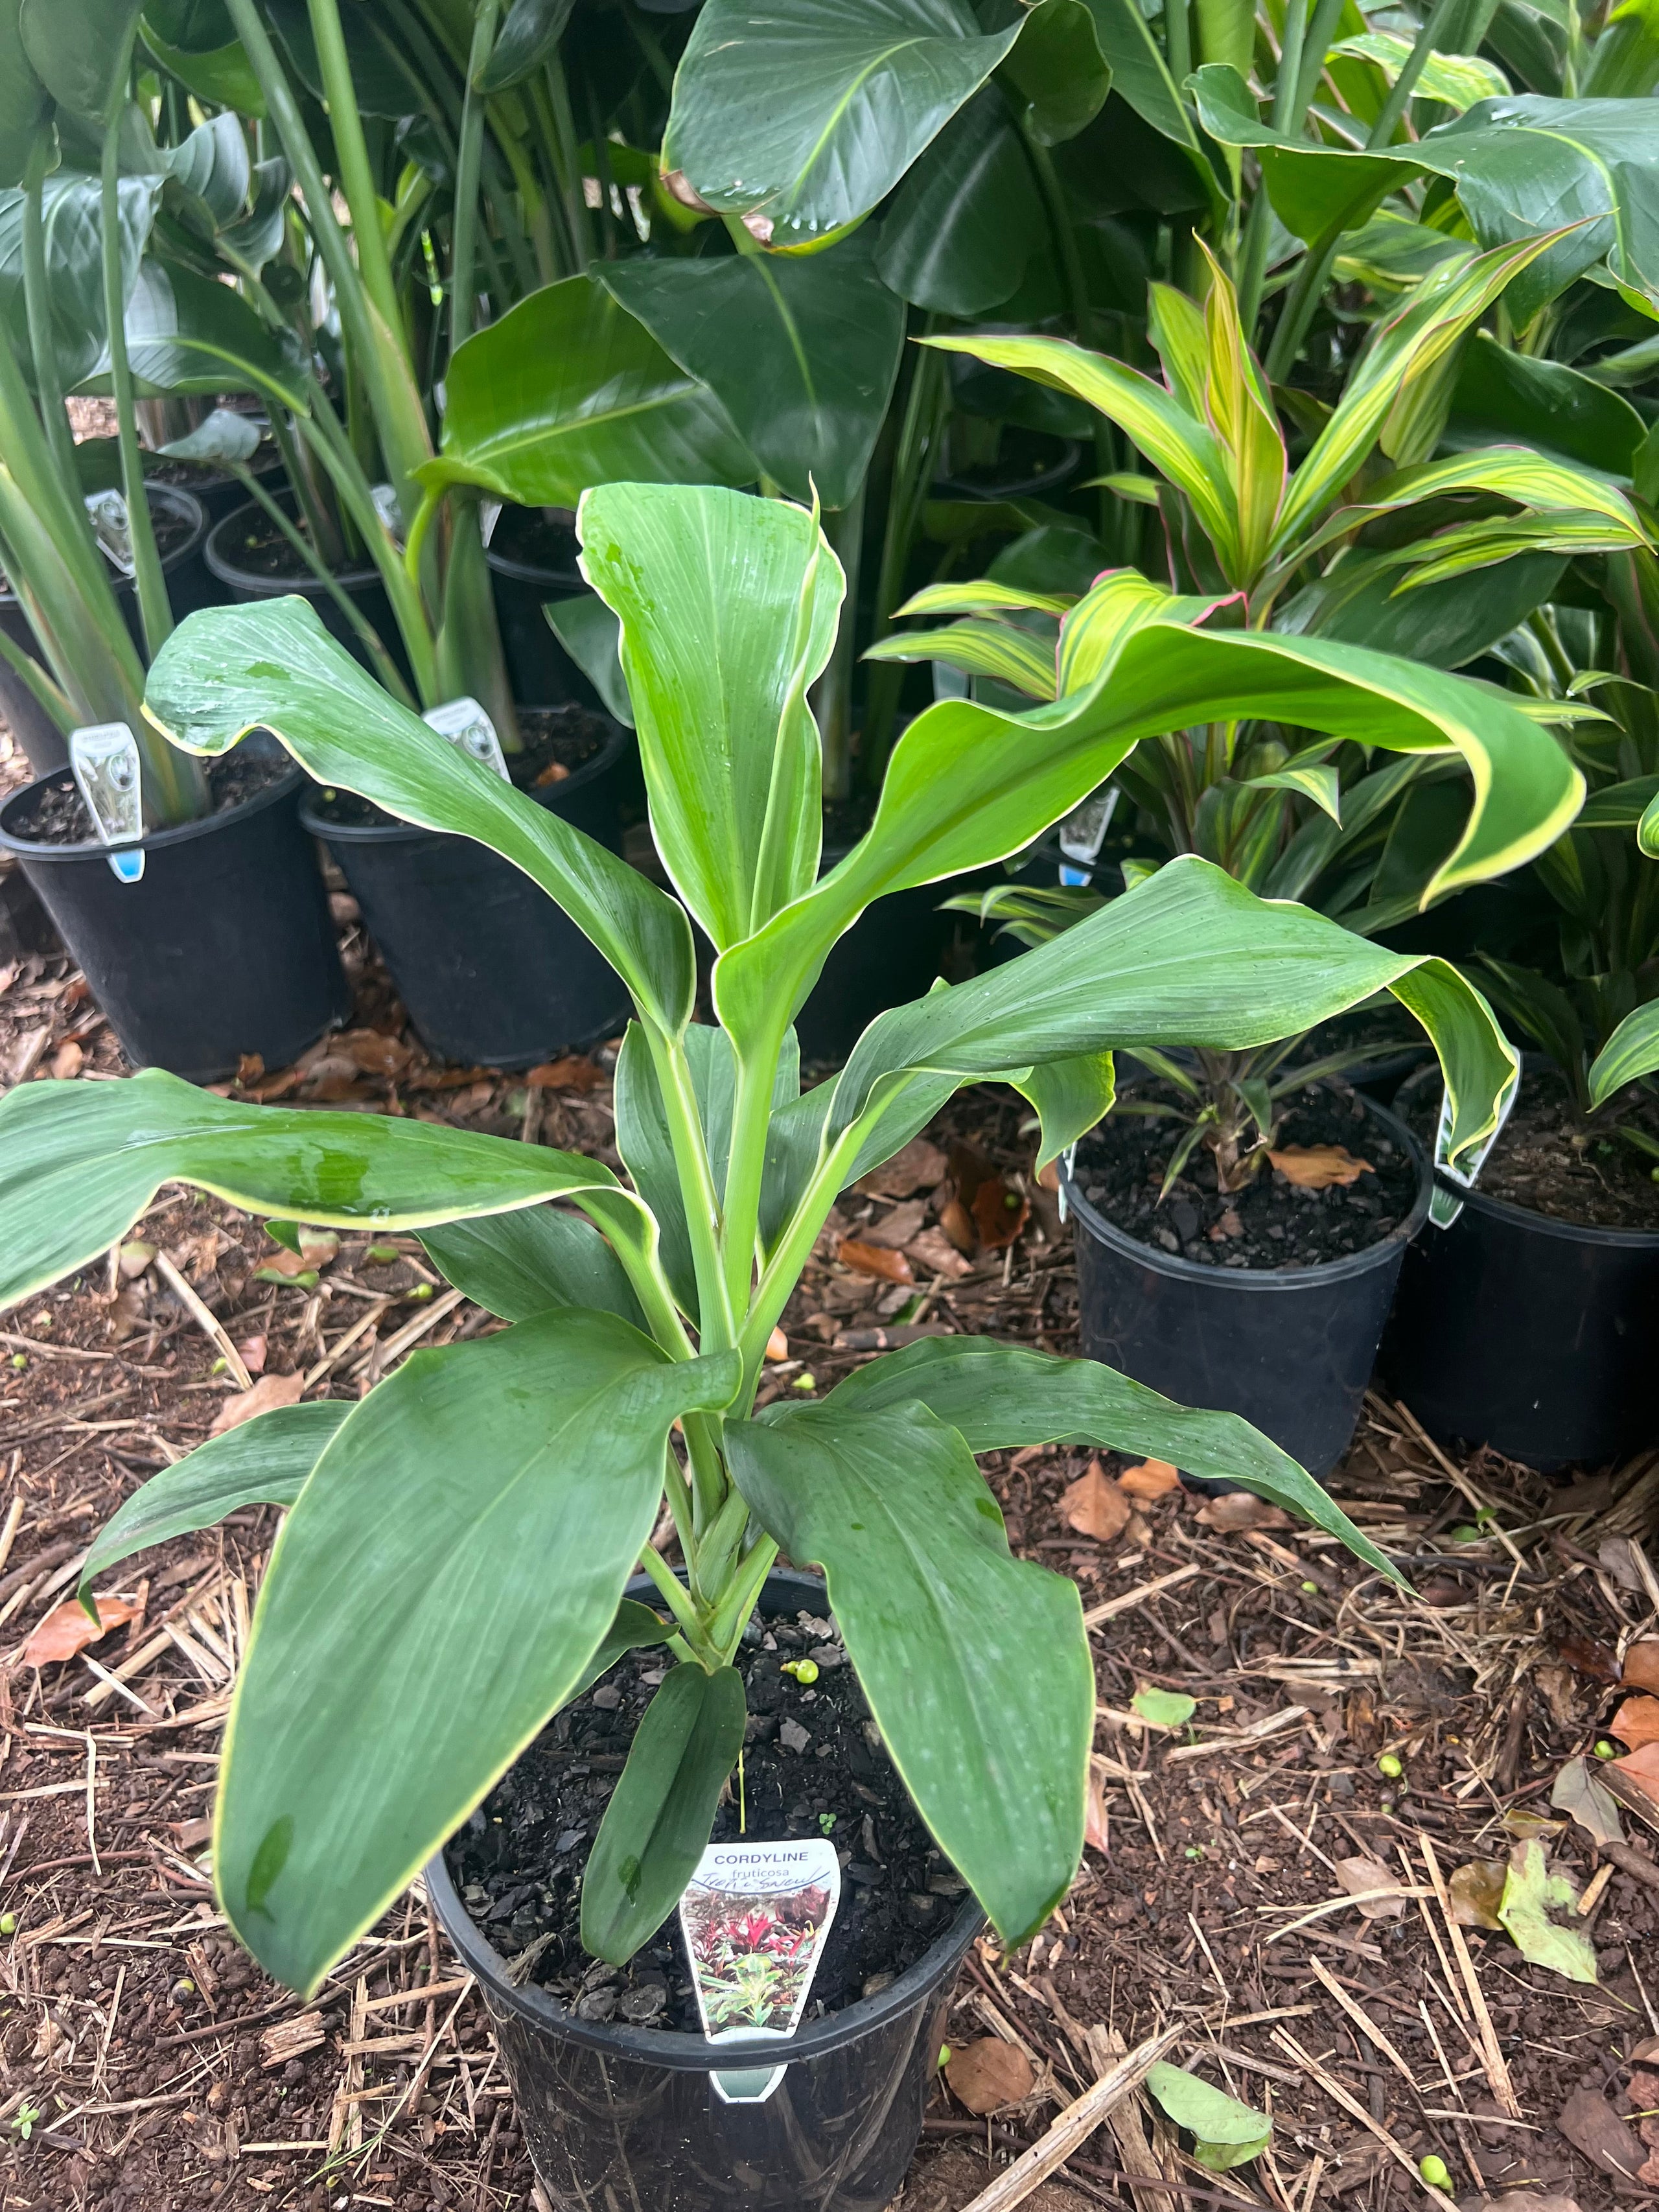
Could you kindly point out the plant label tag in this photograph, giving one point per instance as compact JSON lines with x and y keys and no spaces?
{"x":1083,"y":833}
{"x":755,"y":1918}
{"x":111,"y":526}
{"x":1444,"y":1206}
{"x":104,"y":757}
{"x":469,"y":730}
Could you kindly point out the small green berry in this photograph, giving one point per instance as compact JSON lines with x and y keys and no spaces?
{"x":220,"y":1367}
{"x":7,"y":1924}
{"x":1433,"y":2171}
{"x":420,"y":1292}
{"x":805,"y":1671}
{"x":1310,"y":1590}
{"x":1390,"y":1767}
{"x":945,"y":2054}
{"x":19,"y":1360}
{"x":381,"y":1256}
{"x":804,"y":1382}
{"x":1605,"y":1750}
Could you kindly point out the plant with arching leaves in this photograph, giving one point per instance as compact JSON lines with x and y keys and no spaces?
{"x":452,"y":1564}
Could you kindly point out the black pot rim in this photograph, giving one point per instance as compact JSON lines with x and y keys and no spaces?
{"x":1051,"y":479}
{"x":157,"y":840}
{"x":673,"y":2048}
{"x":1383,"y":1253}
{"x":227,"y":571}
{"x":1527,"y":1217}
{"x":569,"y":580}
{"x":392,"y":833}
{"x":164,"y":495}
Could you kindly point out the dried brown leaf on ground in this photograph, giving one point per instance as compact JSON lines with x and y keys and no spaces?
{"x":1591,"y":2124}
{"x":1097,"y":1826}
{"x":916,"y":1166}
{"x":251,"y":1351}
{"x":1634,"y":1780}
{"x":269,"y":1390}
{"x":874,"y":1259}
{"x":1580,"y":1792}
{"x":372,"y":1051}
{"x":1094,"y":1506}
{"x":1317,"y":1167}
{"x":1636,"y":1721}
{"x":957,"y":1225}
{"x":68,"y":1629}
{"x":1241,"y":1509}
{"x":1149,"y":1478}
{"x":988,"y":2075}
{"x":1588,"y":1658}
{"x":895,"y":1229}
{"x":932,"y":1254}
{"x":1641,"y":1668}
{"x":999,"y":1213}
{"x":1476,"y":1890}
{"x":575,"y":1072}
{"x":1359,"y":1875}
{"x":1619,"y":1563}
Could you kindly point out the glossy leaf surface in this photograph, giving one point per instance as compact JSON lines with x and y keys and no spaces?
{"x":965,"y":221}
{"x":444,"y":1580}
{"x":976,"y":1663}
{"x":518,"y":1265}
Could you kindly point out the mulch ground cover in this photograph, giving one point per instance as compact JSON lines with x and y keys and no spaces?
{"x":1255,"y":1879}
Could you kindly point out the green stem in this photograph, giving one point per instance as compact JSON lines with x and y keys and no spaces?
{"x":717,"y":1326}
{"x":676,"y":1599}
{"x":1253,"y":256}
{"x":912,"y":470}
{"x":731,"y":1615}
{"x":832,"y":695}
{"x":1178,"y":44}
{"x":357,"y":176}
{"x":567,"y":160}
{"x":717,"y":1549}
{"x":1064,"y":236}
{"x":1326,"y":18}
{"x":462,"y":274}
{"x":322,"y":432}
{"x":154,"y":612}
{"x":48,"y":386}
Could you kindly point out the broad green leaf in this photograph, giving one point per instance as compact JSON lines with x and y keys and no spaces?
{"x":79,"y":1163}
{"x":518,"y":1265}
{"x":1141,"y":77}
{"x":1071,"y":1097}
{"x":195,"y":24}
{"x":1186,"y":449}
{"x":1056,"y":73}
{"x":1314,"y":191}
{"x":1002,"y":1399}
{"x":985,"y":597}
{"x":728,"y":607}
{"x":1456,"y":80}
{"x":568,"y":389}
{"x":1240,"y":409}
{"x":530,"y":33}
{"x":72,"y":228}
{"x":635,"y":1627}
{"x":964,"y":225}
{"x":958,"y":794}
{"x":25,"y":103}
{"x":1618,"y":805}
{"x":1163,"y":1708}
{"x":74,"y":48}
{"x":1013,"y":656}
{"x":1475,"y":545}
{"x":591,"y":635}
{"x":1357,"y":602}
{"x":1632,"y":1050}
{"x":802,"y":119}
{"x":224,"y":439}
{"x":211,"y":171}
{"x":801,"y":353}
{"x":656,"y":1825}
{"x":975,"y":1663}
{"x":222,"y":75}
{"x":1502,"y":395}
{"x":186,"y":334}
{"x":1512,"y":472}
{"x":1318,"y":781}
{"x":647,"y":1151}
{"x":444,"y":1580}
{"x":1533,"y":1893}
{"x":1226,"y":2133}
{"x":265,"y":1461}
{"x":227,"y":669}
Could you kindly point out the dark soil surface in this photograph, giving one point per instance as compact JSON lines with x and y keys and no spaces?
{"x":539,"y":538}
{"x":257,"y":547}
{"x":1552,"y":1161}
{"x":557,"y":741}
{"x":173,"y":530}
{"x":206,"y":476}
{"x":1272,"y":1222}
{"x":60,"y":815}
{"x":813,"y":1765}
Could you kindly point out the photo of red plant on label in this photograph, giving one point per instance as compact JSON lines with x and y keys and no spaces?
{"x":756,"y":1916}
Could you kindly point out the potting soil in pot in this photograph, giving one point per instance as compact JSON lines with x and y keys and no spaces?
{"x":1551,"y":1161}
{"x":813,"y":1765}
{"x":1271,"y":1223}
{"x":59,"y":815}
{"x":557,"y":741}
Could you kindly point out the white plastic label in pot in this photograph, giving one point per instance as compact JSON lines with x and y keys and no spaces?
{"x":112,"y":526}
{"x":1444,"y":1206}
{"x":755,"y":1918}
{"x":467,"y":725}
{"x":1083,"y":833}
{"x":104,"y":757}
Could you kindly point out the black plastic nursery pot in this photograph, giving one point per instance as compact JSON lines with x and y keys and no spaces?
{"x":493,"y":974}
{"x":242,"y":579}
{"x":183,"y":521}
{"x":1292,"y":1349}
{"x":223,"y":947}
{"x":1534,"y":1336}
{"x":531,"y":554}
{"x":629,"y":2116}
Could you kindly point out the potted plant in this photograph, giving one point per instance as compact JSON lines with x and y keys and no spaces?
{"x":209,"y":858}
{"x":401,"y":1661}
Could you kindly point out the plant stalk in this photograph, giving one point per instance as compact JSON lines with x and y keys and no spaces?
{"x":48,"y":386}
{"x":462,"y":274}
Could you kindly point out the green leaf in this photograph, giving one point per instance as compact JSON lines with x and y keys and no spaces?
{"x":728,"y":607}
{"x":1502,"y":395}
{"x":186,"y":334}
{"x":1445,"y":625}
{"x":656,"y":1825}
{"x":75,"y":47}
{"x":518,"y":1265}
{"x":568,"y":389}
{"x":1057,"y":72}
{"x":1456,"y":80}
{"x":647,"y":1151}
{"x":1170,"y":1708}
{"x":219,"y":75}
{"x":985,"y":597}
{"x":802,"y":353}
{"x":264,"y":1462}
{"x":591,"y":635}
{"x":1632,"y":1050}
{"x":1318,"y":781}
{"x":79,"y":1163}
{"x":801,"y":120}
{"x":1013,"y":656}
{"x":1141,"y":77}
{"x":223,"y":439}
{"x":444,"y":1580}
{"x":227,"y":669}
{"x":1003,"y":1399}
{"x":964,"y":225}
{"x":71,"y":220}
{"x":975,"y":1663}
{"x":25,"y":103}
{"x":529,"y":34}
{"x":1226,"y":2133}
{"x":1532,"y":1892}
{"x":635,"y":1627}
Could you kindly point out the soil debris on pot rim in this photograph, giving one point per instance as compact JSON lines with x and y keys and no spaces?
{"x":813,"y":1765}
{"x":59,"y":815}
{"x":1270,"y":1224}
{"x":1551,"y":1160}
{"x":557,"y":741}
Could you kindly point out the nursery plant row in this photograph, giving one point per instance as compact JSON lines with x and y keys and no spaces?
{"x":869,"y":549}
